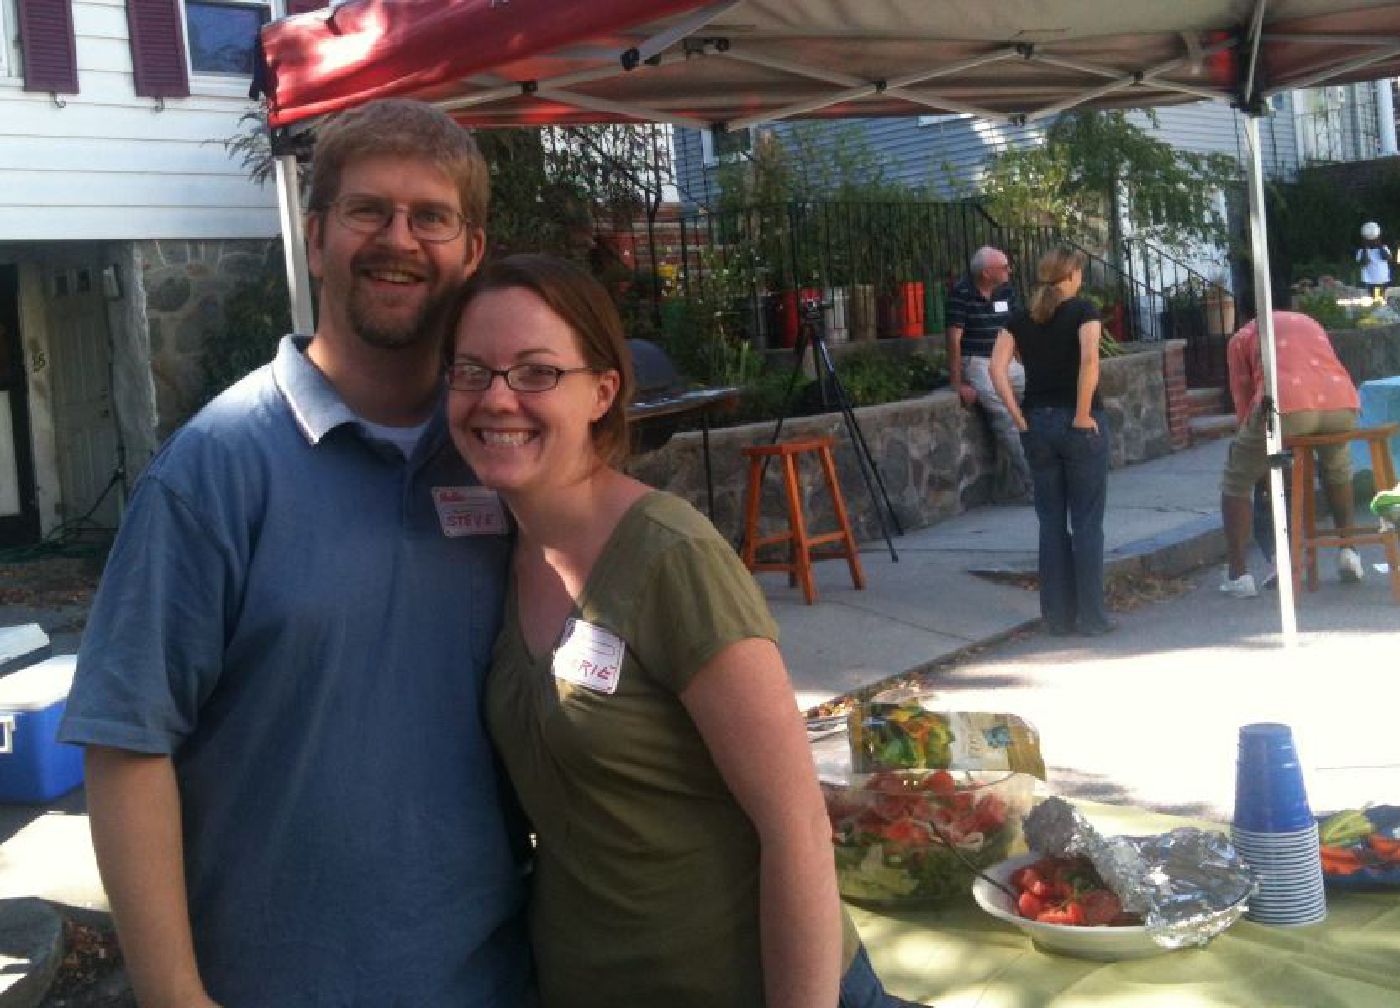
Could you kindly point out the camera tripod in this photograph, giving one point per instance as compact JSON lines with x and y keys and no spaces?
{"x":812,"y":332}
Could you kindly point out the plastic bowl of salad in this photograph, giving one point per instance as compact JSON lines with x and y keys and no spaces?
{"x":906,"y":838}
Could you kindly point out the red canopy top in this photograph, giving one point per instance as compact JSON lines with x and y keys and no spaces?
{"x":735,"y":62}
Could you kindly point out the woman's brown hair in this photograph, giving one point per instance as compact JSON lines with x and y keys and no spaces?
{"x":583,"y":303}
{"x":1053,"y":268}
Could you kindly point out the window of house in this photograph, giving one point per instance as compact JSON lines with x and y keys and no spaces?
{"x":221,"y":35}
{"x":933,"y":120}
{"x":9,"y":40}
{"x":720,"y":148}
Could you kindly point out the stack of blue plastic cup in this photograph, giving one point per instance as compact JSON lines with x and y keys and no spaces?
{"x":1274,"y":830}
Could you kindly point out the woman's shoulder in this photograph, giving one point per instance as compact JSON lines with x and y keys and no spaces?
{"x":666,"y":517}
{"x":660,"y":521}
{"x":1080,"y":308}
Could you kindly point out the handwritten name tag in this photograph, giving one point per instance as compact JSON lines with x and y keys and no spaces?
{"x":467,"y":511}
{"x":590,"y":657}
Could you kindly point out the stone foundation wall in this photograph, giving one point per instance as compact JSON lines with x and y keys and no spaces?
{"x":1373,"y":352}
{"x":935,"y":457}
{"x":185,"y":285}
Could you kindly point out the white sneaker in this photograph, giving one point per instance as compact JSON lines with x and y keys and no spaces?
{"x":1268,"y":578}
{"x":1349,"y":566}
{"x":1240,"y":587}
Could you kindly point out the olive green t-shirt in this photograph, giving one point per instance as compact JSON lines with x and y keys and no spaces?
{"x":646,"y":879}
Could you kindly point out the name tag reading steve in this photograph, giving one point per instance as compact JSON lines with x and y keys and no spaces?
{"x":1001,"y":306}
{"x":467,"y":511}
{"x":590,"y":657}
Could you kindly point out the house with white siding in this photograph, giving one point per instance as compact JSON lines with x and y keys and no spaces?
{"x":123,"y":224}
{"x":947,"y":154}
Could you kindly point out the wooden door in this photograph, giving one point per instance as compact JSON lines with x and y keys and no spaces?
{"x":85,"y":426}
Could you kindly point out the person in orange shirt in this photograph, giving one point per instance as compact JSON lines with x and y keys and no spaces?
{"x":1316,"y":396}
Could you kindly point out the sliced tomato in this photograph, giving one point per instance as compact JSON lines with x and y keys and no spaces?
{"x":907,"y":833}
{"x":1022,"y":878}
{"x":1029,"y":905}
{"x":886,"y":782}
{"x":890,"y":807}
{"x":1068,"y":913}
{"x":940,"y":783}
{"x":990,"y":813}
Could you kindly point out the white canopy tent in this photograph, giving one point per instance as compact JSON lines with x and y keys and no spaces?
{"x":734,"y":63}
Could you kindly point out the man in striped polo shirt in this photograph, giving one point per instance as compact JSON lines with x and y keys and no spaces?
{"x":978,"y":308}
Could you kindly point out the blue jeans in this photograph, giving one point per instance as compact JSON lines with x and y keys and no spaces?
{"x":861,"y":988}
{"x":1069,"y":470}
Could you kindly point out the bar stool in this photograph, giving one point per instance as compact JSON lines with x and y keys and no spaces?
{"x":799,"y":566}
{"x":1304,"y":536}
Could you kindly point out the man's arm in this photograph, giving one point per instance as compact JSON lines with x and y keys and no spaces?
{"x":134,"y":811}
{"x":1242,"y":374}
{"x":966,"y":392}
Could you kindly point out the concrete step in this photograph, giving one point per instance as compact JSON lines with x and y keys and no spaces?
{"x":31,"y":948}
{"x":1207,"y":401}
{"x":1212,"y":427}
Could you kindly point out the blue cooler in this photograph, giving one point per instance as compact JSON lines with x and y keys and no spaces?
{"x":34,"y":765}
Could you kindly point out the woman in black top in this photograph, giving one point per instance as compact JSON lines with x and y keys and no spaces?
{"x":1063,"y":430}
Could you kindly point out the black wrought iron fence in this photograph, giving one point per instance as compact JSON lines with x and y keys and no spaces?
{"x":1185,"y":304}
{"x":885,"y":269}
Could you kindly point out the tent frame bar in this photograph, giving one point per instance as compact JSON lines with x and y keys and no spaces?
{"x":292,"y":217}
{"x":1273,"y":431}
{"x":1343,"y":68}
{"x":895,"y":87}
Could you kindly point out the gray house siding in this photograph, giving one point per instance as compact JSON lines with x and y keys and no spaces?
{"x":947,"y":154}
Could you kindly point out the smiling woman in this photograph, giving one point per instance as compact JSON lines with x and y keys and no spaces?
{"x":635,"y":677}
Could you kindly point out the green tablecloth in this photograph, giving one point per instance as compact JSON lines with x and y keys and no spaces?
{"x":959,"y":957}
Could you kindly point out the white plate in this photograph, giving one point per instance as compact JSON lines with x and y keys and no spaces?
{"x":1104,"y":944}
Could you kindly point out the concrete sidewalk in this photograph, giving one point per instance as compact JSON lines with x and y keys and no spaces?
{"x":1163,"y":517}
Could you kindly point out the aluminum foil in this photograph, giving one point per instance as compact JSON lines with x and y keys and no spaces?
{"x":1189,"y":885}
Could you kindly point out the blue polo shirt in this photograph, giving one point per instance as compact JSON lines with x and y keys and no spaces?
{"x":284,"y":615}
{"x":981,"y":318}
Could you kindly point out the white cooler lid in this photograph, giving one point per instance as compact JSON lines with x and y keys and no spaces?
{"x":38,"y":686}
{"x":18,"y":641}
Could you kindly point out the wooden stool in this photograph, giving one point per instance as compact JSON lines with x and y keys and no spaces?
{"x":799,"y":567}
{"x":1303,"y":533}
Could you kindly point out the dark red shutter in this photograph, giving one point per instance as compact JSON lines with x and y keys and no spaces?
{"x":46,"y":38}
{"x":158,"y":48}
{"x":305,"y":6}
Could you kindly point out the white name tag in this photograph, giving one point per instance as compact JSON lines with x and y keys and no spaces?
{"x":466,"y":511}
{"x":1001,"y":306}
{"x":590,"y":657}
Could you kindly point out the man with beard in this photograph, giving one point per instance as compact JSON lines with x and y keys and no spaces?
{"x":291,"y":795}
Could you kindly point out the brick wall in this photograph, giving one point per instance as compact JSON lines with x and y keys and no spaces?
{"x":1178,"y":409}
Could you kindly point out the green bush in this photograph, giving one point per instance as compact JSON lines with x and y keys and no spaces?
{"x":1323,"y":307}
{"x":257,"y":314}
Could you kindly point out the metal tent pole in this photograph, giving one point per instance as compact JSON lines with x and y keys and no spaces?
{"x":1264,"y":314}
{"x":294,"y":245}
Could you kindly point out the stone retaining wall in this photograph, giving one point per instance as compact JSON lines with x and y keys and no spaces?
{"x":935,"y":457}
{"x":185,"y":284}
{"x":1373,"y":352}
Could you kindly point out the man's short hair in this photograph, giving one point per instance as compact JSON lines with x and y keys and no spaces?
{"x":399,"y":127}
{"x":982,"y":259}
